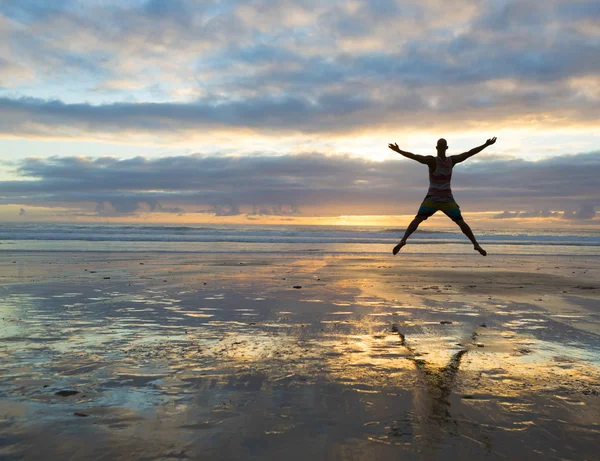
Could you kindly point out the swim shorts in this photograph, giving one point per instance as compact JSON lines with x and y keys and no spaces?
{"x":429,"y":207}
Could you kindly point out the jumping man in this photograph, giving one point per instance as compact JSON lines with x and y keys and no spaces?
{"x":439,"y":196}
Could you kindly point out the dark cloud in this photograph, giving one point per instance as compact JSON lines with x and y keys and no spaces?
{"x":308,"y":184}
{"x":333,"y":111}
{"x":261,"y":113}
{"x":548,"y":181}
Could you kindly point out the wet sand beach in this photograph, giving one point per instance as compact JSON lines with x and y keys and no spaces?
{"x":298,"y":356}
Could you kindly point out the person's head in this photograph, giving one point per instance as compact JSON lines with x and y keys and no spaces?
{"x":441,"y":146}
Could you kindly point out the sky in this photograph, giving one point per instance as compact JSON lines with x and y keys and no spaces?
{"x":280,"y":111}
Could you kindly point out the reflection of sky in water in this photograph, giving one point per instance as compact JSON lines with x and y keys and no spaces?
{"x":155,"y":323}
{"x":201,"y":356}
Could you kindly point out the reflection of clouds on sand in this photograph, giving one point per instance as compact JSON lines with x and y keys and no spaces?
{"x":231,"y":359}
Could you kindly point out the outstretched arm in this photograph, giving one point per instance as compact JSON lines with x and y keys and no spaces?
{"x":462,"y":157}
{"x":419,"y":158}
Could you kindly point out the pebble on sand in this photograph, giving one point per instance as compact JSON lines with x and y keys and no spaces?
{"x":66,"y":393}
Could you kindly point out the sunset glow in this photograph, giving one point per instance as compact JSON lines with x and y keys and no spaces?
{"x":271,"y":112}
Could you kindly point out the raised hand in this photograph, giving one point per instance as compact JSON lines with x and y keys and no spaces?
{"x":490,"y":141}
{"x":394,"y":147}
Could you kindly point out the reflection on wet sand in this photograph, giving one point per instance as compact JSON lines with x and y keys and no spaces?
{"x":431,"y":397}
{"x":229,"y":361}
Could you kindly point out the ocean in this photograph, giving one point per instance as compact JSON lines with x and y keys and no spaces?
{"x":81,"y":237}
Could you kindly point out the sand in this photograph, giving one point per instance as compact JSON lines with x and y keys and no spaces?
{"x":170,"y":356}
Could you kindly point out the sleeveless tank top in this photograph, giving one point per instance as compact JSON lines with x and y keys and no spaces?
{"x":439,"y":180}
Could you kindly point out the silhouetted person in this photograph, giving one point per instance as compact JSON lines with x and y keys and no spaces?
{"x":439,"y":196}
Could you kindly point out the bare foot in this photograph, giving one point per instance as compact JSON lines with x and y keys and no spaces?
{"x":482,"y":252}
{"x":397,"y":247}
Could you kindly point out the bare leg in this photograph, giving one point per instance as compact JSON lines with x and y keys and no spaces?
{"x":469,"y":233}
{"x":409,"y":230}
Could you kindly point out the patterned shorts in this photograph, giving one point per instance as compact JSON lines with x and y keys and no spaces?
{"x":429,"y":207}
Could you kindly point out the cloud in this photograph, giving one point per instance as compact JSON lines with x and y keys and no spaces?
{"x":33,"y":10}
{"x":222,"y":210}
{"x":527,"y":214}
{"x":274,"y":211}
{"x":158,"y":68}
{"x":586,"y":211}
{"x":310,"y":184}
{"x":307,"y":69}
